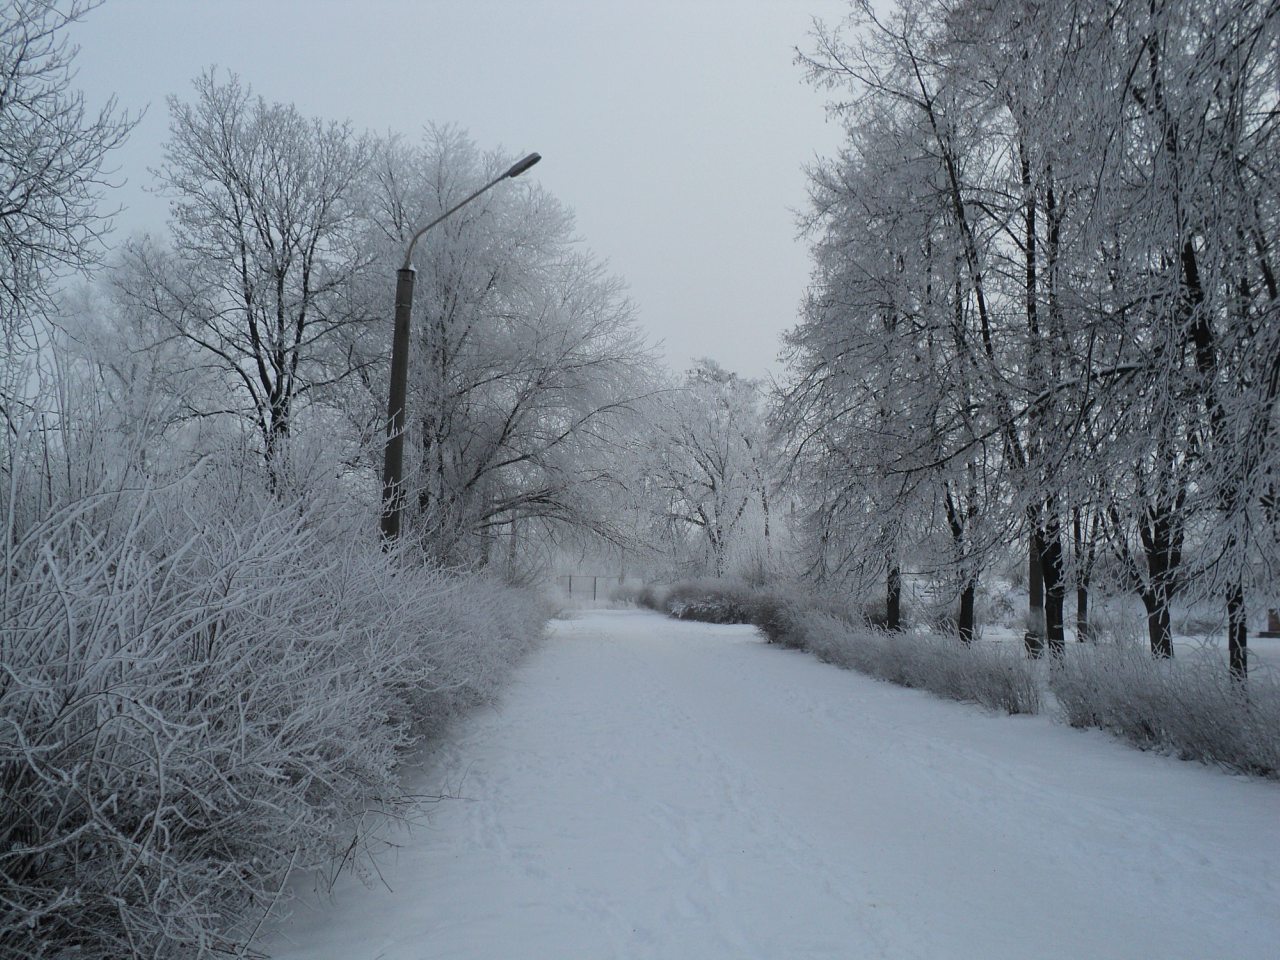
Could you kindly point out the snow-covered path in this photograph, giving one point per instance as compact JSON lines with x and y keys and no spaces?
{"x":654,"y":789}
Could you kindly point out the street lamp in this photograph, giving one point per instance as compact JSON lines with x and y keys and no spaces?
{"x":393,"y":454}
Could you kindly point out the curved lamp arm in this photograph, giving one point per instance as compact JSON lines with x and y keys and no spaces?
{"x":517,"y":168}
{"x":393,"y":452}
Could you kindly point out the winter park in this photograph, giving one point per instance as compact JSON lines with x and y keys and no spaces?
{"x":704,"y":479}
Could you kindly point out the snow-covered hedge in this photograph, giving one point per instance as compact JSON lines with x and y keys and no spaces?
{"x":202,"y":687}
{"x":645,"y":595}
{"x":994,"y":675}
{"x":712,"y":601}
{"x":725,"y":600}
{"x":1189,"y":706}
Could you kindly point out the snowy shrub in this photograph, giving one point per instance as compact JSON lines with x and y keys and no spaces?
{"x":876,"y":613}
{"x":778,"y":619}
{"x":201,"y":687}
{"x":711,"y":601}
{"x":647,"y":596}
{"x":650,"y":597}
{"x":994,"y":675}
{"x":1189,"y":706}
{"x":786,"y":621}
{"x":722,"y":601}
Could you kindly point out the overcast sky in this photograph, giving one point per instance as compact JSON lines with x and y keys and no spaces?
{"x":677,"y":131}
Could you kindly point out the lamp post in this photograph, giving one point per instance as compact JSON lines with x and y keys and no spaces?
{"x":393,"y":454}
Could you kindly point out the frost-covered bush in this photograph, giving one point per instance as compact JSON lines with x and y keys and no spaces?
{"x":647,"y":596}
{"x":721,"y":601}
{"x":994,"y":675}
{"x":711,"y":601}
{"x":1189,"y":706}
{"x":778,"y":620}
{"x":201,"y":686}
{"x":875,"y":613}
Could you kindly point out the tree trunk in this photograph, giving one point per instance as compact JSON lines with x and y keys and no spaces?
{"x":960,"y":520}
{"x":966,"y":621}
{"x":1237,"y":633}
{"x":1159,"y":628}
{"x":1084,"y":544}
{"x":1163,"y":553}
{"x":893,"y":600}
{"x":1034,"y":637}
{"x":1048,"y":540}
{"x":276,"y":452}
{"x":511,"y":553}
{"x":1082,"y":612}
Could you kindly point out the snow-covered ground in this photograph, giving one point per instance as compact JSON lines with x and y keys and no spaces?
{"x":656,"y":789}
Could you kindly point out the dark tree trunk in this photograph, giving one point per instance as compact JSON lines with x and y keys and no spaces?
{"x":1237,"y":633}
{"x":511,"y":553}
{"x":1055,"y":623}
{"x":959,"y":520}
{"x":965,"y":622}
{"x":893,"y":599}
{"x":1034,"y":637}
{"x":1084,"y":540}
{"x":1082,"y":612}
{"x":1162,"y":543}
{"x":1159,"y":628}
{"x":276,"y":452}
{"x":1048,"y":540}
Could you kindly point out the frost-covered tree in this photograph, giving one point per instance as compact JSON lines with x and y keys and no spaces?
{"x":710,"y":471}
{"x":261,"y":253}
{"x":1093,"y":183}
{"x":525,"y":355}
{"x":54,"y":153}
{"x":881,"y":400}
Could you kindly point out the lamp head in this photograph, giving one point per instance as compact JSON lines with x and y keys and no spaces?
{"x":520,"y":166}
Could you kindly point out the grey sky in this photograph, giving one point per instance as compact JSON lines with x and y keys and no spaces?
{"x":677,"y":131}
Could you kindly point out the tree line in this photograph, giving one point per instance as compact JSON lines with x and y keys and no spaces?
{"x":259,"y":319}
{"x":1044,"y":303}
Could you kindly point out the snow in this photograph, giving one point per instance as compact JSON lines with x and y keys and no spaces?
{"x":655,"y":789}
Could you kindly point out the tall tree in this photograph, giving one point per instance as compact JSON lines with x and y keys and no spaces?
{"x":53,"y":155}
{"x":710,"y":463}
{"x":526,"y":359}
{"x":263,"y":246}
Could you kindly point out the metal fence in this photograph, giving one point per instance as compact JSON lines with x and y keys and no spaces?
{"x":595,"y":585}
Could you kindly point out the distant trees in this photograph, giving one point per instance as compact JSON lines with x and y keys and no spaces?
{"x":1046,"y":296}
{"x":709,"y":469}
